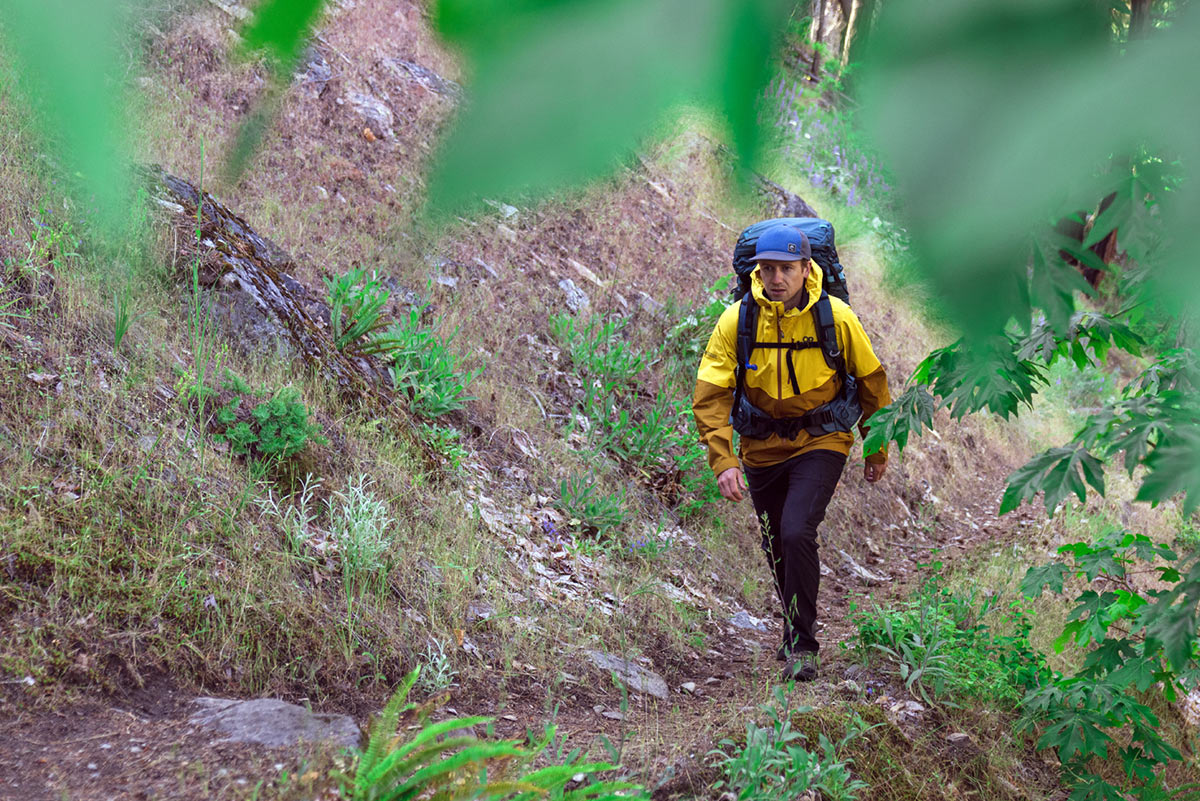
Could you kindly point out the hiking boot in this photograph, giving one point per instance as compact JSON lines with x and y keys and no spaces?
{"x":802,"y":666}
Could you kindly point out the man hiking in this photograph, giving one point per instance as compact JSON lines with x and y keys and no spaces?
{"x":792,"y":383}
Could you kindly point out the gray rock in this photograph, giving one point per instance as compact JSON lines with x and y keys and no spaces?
{"x":374,"y":111}
{"x":233,"y":9}
{"x":861,"y":573}
{"x":787,"y":204}
{"x":480,"y":610}
{"x":252,"y":328}
{"x":273,"y":723}
{"x":405,"y":70}
{"x":637,"y":678}
{"x":316,"y":72}
{"x":649,"y":305}
{"x":577,"y":299}
{"x":744,"y":620}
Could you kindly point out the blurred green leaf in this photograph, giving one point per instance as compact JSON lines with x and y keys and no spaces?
{"x":563,"y":91}
{"x":1002,"y":116}
{"x":281,"y":27}
{"x":66,"y":56}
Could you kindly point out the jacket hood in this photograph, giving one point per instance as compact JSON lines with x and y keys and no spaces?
{"x":813,"y":284}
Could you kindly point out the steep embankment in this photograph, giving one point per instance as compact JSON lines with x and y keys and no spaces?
{"x":145,"y":564}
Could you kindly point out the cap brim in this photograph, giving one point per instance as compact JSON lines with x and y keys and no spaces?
{"x":780,"y":255}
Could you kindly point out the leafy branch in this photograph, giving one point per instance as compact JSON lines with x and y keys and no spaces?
{"x":1136,"y":640}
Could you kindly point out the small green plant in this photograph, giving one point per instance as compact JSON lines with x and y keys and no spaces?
{"x":297,"y":515}
{"x":446,"y":441}
{"x":649,"y":547}
{"x":437,"y":673}
{"x":588,"y":508}
{"x":361,"y":528}
{"x":943,"y":648}
{"x":686,"y":339}
{"x":123,"y":317}
{"x":598,"y":350}
{"x":437,"y":761}
{"x":355,"y":306}
{"x":424,"y":367}
{"x":273,"y":430}
{"x":773,"y":765}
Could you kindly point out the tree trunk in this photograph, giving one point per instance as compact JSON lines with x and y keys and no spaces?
{"x":849,"y":7}
{"x":819,"y":29}
{"x":858,"y":36}
{"x":1139,"y":18}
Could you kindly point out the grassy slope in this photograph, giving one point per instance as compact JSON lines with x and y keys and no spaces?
{"x":134,"y":545}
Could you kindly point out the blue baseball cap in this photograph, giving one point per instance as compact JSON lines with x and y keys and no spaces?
{"x":782,"y":243}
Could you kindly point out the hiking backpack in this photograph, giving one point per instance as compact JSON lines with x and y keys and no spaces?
{"x":839,"y":414}
{"x":820,"y":238}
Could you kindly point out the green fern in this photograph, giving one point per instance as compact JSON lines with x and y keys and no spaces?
{"x":434,"y":765}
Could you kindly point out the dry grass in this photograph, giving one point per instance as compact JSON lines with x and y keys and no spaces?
{"x":135,"y":544}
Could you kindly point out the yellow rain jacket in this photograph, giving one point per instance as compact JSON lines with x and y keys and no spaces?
{"x":769,"y":387}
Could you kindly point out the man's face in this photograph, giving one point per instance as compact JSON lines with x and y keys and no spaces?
{"x":784,"y":279}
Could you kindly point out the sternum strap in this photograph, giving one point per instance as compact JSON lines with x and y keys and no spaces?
{"x":791,"y":348}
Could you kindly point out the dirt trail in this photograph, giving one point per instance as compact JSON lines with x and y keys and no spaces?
{"x":142,"y":746}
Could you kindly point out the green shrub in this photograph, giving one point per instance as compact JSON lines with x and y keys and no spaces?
{"x":424,"y":367}
{"x":688,"y":337}
{"x":659,"y":437}
{"x":437,"y":761}
{"x":273,"y":430}
{"x":941,"y":647}
{"x":1141,"y":645}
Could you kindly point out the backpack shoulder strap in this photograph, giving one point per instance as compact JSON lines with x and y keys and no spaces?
{"x":747,"y":333}
{"x":822,"y":312}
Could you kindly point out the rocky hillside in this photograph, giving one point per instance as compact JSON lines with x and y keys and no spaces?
{"x":536,"y":527}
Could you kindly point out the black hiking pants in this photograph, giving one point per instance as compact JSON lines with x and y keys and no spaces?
{"x":792,"y":496}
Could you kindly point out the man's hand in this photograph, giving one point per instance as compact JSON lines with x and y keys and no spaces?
{"x":873,"y":472}
{"x":732,"y":484}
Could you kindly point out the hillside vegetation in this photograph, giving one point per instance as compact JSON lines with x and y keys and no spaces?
{"x":188,"y":507}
